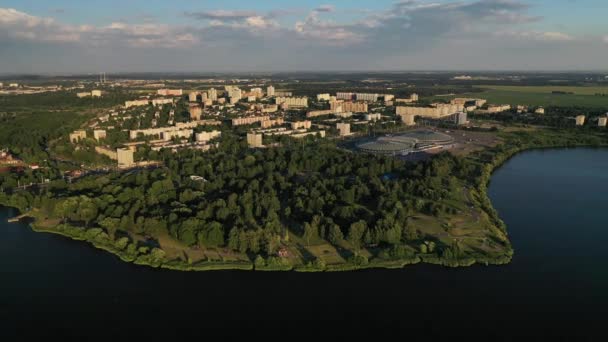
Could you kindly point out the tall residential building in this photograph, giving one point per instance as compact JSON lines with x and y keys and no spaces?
{"x":270,"y":91}
{"x":292,"y":101}
{"x":367,"y":97}
{"x":438,"y":111}
{"x":348,"y":106}
{"x":212,"y":93}
{"x":193,"y":96}
{"x":461,"y":118}
{"x":196,"y":112}
{"x":408,"y":119}
{"x":125,"y":157}
{"x":235,"y":94}
{"x":254,"y":140}
{"x":601,"y":122}
{"x":344,"y":129}
{"x":345,"y":96}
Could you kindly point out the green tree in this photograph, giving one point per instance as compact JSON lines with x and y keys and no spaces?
{"x":355,"y":233}
{"x":335,"y":234}
{"x":110,"y":224}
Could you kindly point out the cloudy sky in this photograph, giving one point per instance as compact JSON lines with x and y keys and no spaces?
{"x":73,"y":36}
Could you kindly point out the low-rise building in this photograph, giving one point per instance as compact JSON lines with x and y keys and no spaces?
{"x":78,"y":135}
{"x":99,"y":134}
{"x":161,"y":101}
{"x":96,"y":93}
{"x":315,"y":113}
{"x":170,"y":92}
{"x":303,"y":135}
{"x":540,"y":110}
{"x":206,"y":136}
{"x":413,"y":98}
{"x":601,"y":122}
{"x":580,"y":120}
{"x":323,"y":97}
{"x":83,"y":94}
{"x":465,"y":101}
{"x":301,"y":124}
{"x":249,"y":120}
{"x":178,"y":133}
{"x":498,"y":108}
{"x":270,"y":123}
{"x":373,"y":117}
{"x":136,"y":103}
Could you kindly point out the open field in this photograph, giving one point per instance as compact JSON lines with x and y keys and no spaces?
{"x":549,"y":89}
{"x":540,"y":96}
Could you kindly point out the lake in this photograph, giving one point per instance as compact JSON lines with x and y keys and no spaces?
{"x":553,"y":202}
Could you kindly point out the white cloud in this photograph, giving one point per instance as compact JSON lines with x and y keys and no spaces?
{"x":325,"y":8}
{"x":536,"y":35}
{"x":21,"y":26}
{"x":409,"y":31}
{"x":222,"y":15}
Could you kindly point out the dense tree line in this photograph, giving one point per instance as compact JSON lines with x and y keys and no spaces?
{"x":251,"y":200}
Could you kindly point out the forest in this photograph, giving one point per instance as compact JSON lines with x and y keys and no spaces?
{"x":251,"y":201}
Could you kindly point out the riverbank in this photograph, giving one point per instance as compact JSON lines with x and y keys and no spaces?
{"x":128,"y":251}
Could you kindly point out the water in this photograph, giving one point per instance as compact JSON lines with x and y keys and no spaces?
{"x":552,"y":201}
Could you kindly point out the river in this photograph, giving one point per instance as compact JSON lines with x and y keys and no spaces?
{"x":553,"y":202}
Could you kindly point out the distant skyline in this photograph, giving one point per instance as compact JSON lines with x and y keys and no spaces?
{"x":69,"y":36}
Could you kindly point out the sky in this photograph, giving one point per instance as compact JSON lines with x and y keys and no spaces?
{"x":70,"y":36}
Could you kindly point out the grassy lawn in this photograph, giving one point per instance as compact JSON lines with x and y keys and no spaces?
{"x":326,"y":252}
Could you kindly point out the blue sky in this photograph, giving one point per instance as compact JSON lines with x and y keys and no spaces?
{"x":268,"y":35}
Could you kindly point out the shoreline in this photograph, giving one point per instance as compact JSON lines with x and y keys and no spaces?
{"x":499,"y":159}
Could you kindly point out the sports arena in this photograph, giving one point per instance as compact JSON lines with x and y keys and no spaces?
{"x":406,"y":143}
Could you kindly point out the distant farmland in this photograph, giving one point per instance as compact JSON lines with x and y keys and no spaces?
{"x":542,"y":96}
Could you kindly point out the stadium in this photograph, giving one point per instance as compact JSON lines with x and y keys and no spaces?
{"x":406,"y":143}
